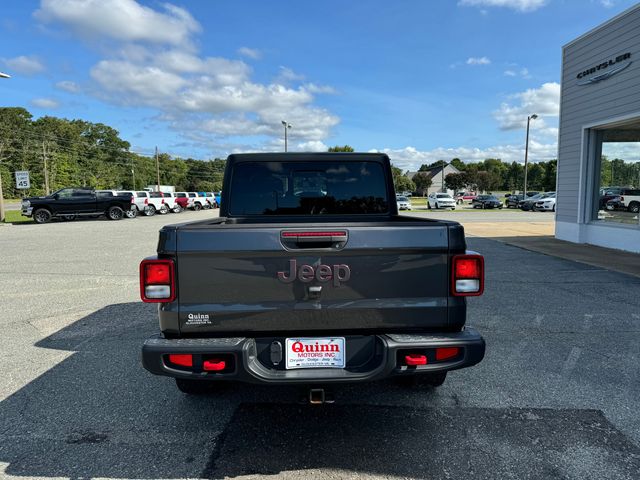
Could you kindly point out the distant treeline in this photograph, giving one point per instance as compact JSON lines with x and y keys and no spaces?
{"x":60,"y":153}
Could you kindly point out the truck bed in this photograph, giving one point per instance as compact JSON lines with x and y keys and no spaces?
{"x":232,"y":277}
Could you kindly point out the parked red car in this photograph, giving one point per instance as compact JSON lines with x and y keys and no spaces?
{"x":462,"y":197}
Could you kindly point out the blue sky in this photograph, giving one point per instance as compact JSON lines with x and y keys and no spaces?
{"x":420,"y":80}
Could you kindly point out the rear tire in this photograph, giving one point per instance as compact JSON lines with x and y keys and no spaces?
{"x":150,"y":211}
{"x":177,"y":209}
{"x":131,"y":213}
{"x":115,"y":213}
{"x":197,"y":207}
{"x":194,"y":387}
{"x":634,"y":207}
{"x":164,"y":209}
{"x":42,"y":215}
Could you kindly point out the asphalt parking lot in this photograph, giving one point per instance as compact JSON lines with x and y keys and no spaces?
{"x":557,"y":395}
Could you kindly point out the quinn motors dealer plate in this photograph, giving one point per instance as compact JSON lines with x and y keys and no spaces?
{"x":315,"y":352}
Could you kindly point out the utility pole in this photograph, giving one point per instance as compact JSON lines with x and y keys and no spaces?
{"x":46,"y":170}
{"x":526,"y":155}
{"x":133,"y":173}
{"x":158,"y":169}
{"x":1,"y":200}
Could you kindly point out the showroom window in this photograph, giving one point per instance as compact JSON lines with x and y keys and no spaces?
{"x":617,"y":174}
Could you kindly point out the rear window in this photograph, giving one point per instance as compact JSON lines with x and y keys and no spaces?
{"x":444,"y":195}
{"x":630,"y":192}
{"x":155,"y":195}
{"x":181,"y":195}
{"x":308,"y":188}
{"x":141,"y":194}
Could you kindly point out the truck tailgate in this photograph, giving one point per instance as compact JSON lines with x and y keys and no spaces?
{"x":240,"y":278}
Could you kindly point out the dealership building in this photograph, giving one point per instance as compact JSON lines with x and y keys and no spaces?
{"x":599,"y":138}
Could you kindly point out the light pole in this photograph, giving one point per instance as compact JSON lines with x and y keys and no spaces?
{"x":286,"y":126}
{"x":526,"y":154}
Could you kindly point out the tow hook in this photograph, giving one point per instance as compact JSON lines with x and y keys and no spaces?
{"x":318,"y":396}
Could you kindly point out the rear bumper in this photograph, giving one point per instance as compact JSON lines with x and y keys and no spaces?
{"x":384,"y":358}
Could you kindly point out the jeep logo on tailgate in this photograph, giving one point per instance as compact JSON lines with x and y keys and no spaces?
{"x":322,"y":273}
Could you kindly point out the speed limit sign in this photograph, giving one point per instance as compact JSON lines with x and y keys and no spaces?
{"x":22,"y":180}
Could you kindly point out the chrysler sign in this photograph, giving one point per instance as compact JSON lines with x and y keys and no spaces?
{"x":604,"y":70}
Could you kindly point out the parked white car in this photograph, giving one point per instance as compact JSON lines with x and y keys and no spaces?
{"x":140,"y":200}
{"x":171,"y":200}
{"x":198,"y":203}
{"x":547,"y":204}
{"x":186,"y":195}
{"x":403,"y":203}
{"x":441,"y":200}
{"x":157,"y":204}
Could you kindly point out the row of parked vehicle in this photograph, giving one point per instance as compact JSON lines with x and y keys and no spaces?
{"x":620,"y":198}
{"x":71,"y":203}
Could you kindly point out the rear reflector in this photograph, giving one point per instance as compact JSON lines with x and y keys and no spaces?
{"x":157,"y":280}
{"x":183,"y":360}
{"x":214,"y":365}
{"x":467,"y":275}
{"x":446,"y":353}
{"x":415,"y":359}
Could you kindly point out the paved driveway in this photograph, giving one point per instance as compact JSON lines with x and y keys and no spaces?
{"x":556,"y":396}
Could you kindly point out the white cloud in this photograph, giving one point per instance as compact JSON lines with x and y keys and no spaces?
{"x":410,"y":158}
{"x":123,"y":20}
{"x":523,"y":72}
{"x":46,"y":103}
{"x":287,"y":75}
{"x":518,"y":5}
{"x":312,"y":146}
{"x":68,"y":86}
{"x":252,"y":53}
{"x":543,"y":101}
{"x":153,"y":62}
{"x":607,"y":3}
{"x":478,"y":61}
{"x":25,"y":65}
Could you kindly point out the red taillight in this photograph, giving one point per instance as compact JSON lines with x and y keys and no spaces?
{"x":146,"y":201}
{"x":622,"y":199}
{"x":215,"y":365}
{"x":314,"y":234}
{"x":183,"y":360}
{"x":414,"y":359}
{"x":133,"y":200}
{"x":157,"y":281}
{"x":467,"y":275}
{"x":445,"y":353}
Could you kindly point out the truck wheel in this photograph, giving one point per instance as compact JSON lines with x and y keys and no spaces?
{"x":115,"y":213}
{"x":634,"y":207}
{"x":131,"y":213}
{"x":177,"y":209}
{"x":150,"y":211}
{"x":42,"y":215}
{"x":197,"y":207}
{"x":163,"y":209}
{"x":194,"y":387}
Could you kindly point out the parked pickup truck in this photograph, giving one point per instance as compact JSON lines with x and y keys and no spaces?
{"x":309,"y":276}
{"x":69,"y":203}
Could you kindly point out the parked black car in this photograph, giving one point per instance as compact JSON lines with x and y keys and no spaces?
{"x":513,"y":200}
{"x":69,"y":203}
{"x":486,"y":201}
{"x":615,"y":203}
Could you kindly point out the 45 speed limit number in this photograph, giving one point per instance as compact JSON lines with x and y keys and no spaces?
{"x":22,"y":180}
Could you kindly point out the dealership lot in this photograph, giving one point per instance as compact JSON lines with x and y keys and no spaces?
{"x":557,"y":394}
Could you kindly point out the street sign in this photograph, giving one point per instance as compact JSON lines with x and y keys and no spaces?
{"x":22,"y":180}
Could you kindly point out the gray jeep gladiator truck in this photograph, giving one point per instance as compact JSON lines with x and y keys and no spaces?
{"x":309,"y":276}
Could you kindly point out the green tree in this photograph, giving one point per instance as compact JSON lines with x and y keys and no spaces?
{"x":456,"y":181}
{"x":422,"y":182}
{"x":337,"y":148}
